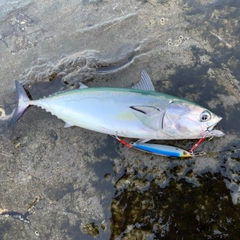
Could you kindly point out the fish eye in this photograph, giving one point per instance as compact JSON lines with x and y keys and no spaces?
{"x":205,"y":116}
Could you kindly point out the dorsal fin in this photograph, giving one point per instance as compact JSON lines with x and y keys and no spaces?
{"x":145,"y":82}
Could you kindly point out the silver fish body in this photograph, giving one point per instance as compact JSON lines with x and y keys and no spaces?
{"x":138,"y":112}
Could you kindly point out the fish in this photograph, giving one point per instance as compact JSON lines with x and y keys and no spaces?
{"x":138,"y":112}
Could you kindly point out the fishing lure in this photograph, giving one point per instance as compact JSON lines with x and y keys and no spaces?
{"x":157,"y":149}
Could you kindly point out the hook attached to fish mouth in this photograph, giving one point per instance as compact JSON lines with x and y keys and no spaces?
{"x":211,"y":132}
{"x":210,"y":128}
{"x":214,"y":133}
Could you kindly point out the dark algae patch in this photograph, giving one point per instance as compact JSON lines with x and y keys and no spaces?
{"x":178,"y":211}
{"x":91,"y":229}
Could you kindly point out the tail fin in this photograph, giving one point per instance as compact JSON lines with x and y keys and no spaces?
{"x":23,"y":103}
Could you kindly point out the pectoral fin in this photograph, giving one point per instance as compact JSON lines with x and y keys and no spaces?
{"x":150,"y":116}
{"x":147,"y":110}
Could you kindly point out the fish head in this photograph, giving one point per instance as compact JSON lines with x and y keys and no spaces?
{"x":186,"y":120}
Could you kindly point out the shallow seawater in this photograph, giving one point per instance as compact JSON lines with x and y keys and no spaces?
{"x":76,"y":184}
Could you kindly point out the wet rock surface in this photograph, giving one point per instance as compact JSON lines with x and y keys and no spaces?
{"x":71,"y":183}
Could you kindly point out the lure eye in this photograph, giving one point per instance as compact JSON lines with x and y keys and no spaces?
{"x":205,"y":116}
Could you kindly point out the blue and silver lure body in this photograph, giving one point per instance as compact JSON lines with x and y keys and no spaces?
{"x":157,"y":149}
{"x":163,"y":150}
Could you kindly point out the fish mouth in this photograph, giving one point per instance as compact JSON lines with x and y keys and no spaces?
{"x":210,"y":128}
{"x":211,"y":132}
{"x":215,"y":121}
